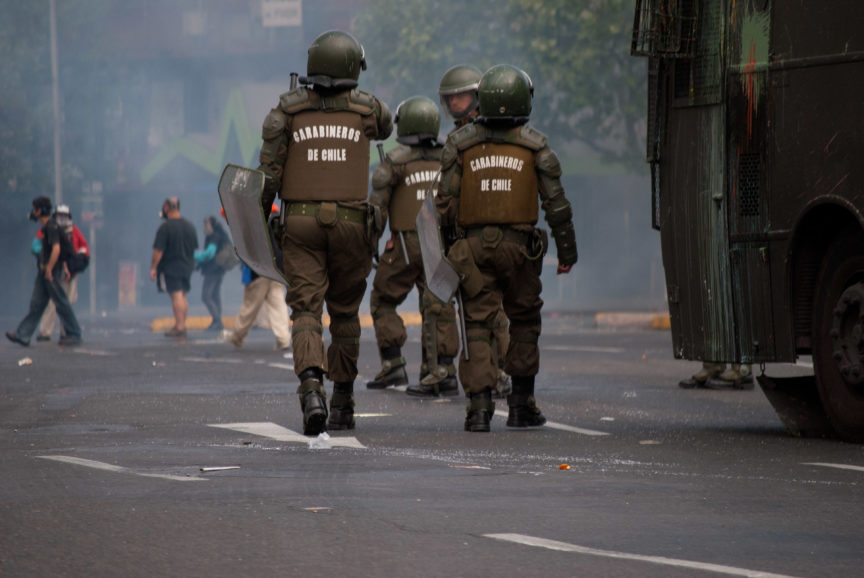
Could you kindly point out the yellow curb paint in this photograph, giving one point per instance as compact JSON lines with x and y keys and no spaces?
{"x":161,"y":324}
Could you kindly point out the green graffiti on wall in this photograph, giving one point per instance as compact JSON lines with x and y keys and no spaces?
{"x":209,"y":159}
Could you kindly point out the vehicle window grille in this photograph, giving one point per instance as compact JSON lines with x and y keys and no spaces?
{"x":748,"y":185}
{"x":665,"y":28}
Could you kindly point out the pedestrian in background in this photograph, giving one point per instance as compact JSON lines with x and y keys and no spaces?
{"x":266,"y":296}
{"x":77,"y":257}
{"x":173,"y":261}
{"x":216,"y":240}
{"x":48,"y":285}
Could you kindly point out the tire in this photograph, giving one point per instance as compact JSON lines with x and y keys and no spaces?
{"x":838,"y":335}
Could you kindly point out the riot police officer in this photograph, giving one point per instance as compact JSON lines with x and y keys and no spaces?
{"x":399,"y":186}
{"x":492,"y":173}
{"x":458,"y":94}
{"x":315,"y":155}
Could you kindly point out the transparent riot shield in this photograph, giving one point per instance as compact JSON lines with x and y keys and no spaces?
{"x":441,"y":279}
{"x":240,"y":190}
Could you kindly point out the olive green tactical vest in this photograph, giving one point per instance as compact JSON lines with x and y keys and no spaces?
{"x":328,"y":158}
{"x":499,"y":186}
{"x":415,"y":177}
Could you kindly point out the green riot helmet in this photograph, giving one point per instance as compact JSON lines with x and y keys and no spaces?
{"x":505,"y":94}
{"x":458,"y":91}
{"x":417,"y":120}
{"x":335,"y":61}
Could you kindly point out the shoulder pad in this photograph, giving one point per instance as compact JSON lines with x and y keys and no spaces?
{"x":400,"y":155}
{"x":361,"y":102}
{"x":382,"y":176}
{"x":547,"y":162}
{"x":274,"y":124}
{"x":531,"y":138}
{"x":295,"y":101}
{"x":449,"y":154}
{"x":467,"y":136}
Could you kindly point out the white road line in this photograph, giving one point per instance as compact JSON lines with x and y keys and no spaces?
{"x":212,"y":359}
{"x":118,"y":469}
{"x":583,"y":348}
{"x":561,"y":426}
{"x":565,"y":547}
{"x":94,"y":352}
{"x":277,"y":432}
{"x":838,"y":466}
{"x":281,"y":365}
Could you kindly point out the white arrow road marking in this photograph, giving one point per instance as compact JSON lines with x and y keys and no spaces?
{"x":561,"y":426}
{"x":838,"y":466}
{"x":565,"y":547}
{"x":277,"y":432}
{"x":118,"y":469}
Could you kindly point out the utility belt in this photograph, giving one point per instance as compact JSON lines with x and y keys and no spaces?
{"x":533,"y":244}
{"x":493,"y":235}
{"x":327,"y":212}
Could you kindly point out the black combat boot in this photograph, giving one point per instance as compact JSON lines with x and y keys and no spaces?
{"x":440,"y":381}
{"x":479,"y":411}
{"x":342,"y":406}
{"x":523,"y":412}
{"x":392,"y":370}
{"x":313,"y":401}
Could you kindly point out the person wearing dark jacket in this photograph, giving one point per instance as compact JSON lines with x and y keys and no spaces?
{"x":215,"y":239}
{"x":48,"y":285}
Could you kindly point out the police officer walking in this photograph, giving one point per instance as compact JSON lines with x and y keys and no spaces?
{"x":399,"y":186}
{"x":458,"y":93}
{"x":492,"y":172}
{"x":315,"y":155}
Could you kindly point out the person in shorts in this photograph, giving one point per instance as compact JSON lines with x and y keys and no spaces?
{"x":174,"y":260}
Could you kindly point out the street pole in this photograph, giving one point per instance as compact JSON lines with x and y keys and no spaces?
{"x":58,"y":183}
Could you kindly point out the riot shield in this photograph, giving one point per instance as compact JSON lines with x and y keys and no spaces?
{"x":240,"y":191}
{"x":441,"y":279}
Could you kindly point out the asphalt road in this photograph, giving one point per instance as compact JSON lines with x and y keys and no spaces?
{"x":105,"y":453}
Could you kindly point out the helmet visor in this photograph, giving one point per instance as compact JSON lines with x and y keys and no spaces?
{"x":459,"y":105}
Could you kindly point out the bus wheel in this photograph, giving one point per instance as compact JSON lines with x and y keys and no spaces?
{"x":838,"y":335}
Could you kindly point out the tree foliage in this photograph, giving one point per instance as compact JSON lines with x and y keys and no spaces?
{"x":587,"y":86}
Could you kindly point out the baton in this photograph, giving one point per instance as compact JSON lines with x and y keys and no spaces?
{"x":462,"y":329}
{"x":404,"y":249}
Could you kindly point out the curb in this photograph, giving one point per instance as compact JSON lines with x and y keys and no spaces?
{"x":632,"y":320}
{"x":603,"y":320}
{"x":201,"y":323}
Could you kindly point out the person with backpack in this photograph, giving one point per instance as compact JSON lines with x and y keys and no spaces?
{"x":76,"y":254}
{"x":47,"y":286}
{"x":213,"y":261}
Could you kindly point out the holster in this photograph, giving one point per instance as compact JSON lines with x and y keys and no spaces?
{"x":462,"y":259}
{"x":327,"y":214}
{"x":537,"y":245}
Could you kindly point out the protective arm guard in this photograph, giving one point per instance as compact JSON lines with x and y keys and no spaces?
{"x":383,"y":181}
{"x":447,"y":200}
{"x":385,"y":120}
{"x":274,"y":152}
{"x":556,"y":207}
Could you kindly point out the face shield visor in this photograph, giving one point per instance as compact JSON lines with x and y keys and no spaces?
{"x":458,"y":105}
